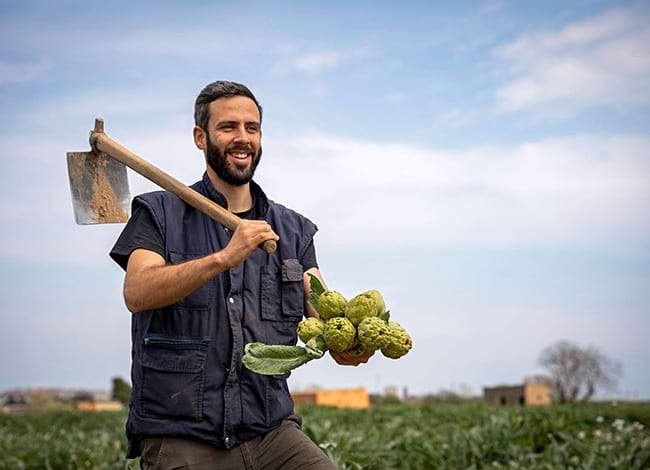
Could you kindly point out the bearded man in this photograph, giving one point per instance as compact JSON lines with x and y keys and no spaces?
{"x":199,"y":293}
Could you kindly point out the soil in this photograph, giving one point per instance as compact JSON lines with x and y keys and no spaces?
{"x":104,"y":204}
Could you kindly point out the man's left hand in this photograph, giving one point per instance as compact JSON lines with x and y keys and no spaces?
{"x":346,"y":359}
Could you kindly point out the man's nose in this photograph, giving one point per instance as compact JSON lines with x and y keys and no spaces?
{"x":241,"y":136}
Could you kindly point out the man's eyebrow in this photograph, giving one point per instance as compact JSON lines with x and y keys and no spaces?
{"x":224,"y":123}
{"x":232,"y":123}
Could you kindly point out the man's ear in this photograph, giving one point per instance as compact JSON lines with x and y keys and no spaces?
{"x":200,"y":138}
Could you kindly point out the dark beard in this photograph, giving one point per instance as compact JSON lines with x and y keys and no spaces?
{"x":217,"y":160}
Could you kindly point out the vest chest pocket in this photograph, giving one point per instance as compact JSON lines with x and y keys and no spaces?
{"x":173,"y":370}
{"x":283,"y":292}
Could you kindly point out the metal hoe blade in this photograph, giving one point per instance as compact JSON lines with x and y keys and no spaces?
{"x":100,"y":188}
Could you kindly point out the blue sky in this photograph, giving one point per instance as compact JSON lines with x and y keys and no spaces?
{"x":485,"y":165}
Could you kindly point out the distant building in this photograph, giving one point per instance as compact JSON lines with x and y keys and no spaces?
{"x":109,"y":405}
{"x":343,"y":398}
{"x":391,"y":391}
{"x":528,"y":394}
{"x":48,"y":398}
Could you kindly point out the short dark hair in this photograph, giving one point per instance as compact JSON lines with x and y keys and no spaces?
{"x":214,"y":91}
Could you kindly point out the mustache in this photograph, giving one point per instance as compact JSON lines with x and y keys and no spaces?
{"x":240,"y":147}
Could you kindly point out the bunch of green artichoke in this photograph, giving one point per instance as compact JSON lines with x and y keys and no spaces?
{"x":356,"y":327}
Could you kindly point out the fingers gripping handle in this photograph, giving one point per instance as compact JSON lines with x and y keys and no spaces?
{"x":269,"y":246}
{"x":99,"y":141}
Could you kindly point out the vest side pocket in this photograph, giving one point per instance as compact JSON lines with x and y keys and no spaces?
{"x":173,"y":376}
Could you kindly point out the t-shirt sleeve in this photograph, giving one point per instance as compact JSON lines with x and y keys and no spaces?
{"x":308,"y":259}
{"x":141,"y":231}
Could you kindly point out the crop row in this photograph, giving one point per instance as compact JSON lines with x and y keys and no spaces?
{"x":390,"y":436}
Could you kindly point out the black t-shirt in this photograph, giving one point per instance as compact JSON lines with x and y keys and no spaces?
{"x":141,"y":231}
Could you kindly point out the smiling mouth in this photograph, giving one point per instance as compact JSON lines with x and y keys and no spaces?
{"x":239,"y":155}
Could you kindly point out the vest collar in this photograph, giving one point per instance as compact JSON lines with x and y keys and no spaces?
{"x":260,"y":201}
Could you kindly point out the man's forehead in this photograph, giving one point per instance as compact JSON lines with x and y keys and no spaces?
{"x":234,"y":107}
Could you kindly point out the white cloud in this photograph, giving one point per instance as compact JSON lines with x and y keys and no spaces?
{"x":602,"y":60}
{"x":570,"y":190}
{"x":590,"y":189}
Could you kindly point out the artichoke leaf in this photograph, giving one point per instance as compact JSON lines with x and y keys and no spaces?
{"x":316,"y":290}
{"x":274,"y":359}
{"x":385,"y":316}
{"x":316,"y":347}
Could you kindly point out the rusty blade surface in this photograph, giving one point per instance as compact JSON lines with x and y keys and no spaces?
{"x":99,"y":187}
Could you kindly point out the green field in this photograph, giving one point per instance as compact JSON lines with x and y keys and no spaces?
{"x":390,"y":436}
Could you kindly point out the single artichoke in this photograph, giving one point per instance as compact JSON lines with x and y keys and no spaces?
{"x":379,"y":300}
{"x":330,"y":304}
{"x":400,"y":342}
{"x":373,"y":333}
{"x":339,"y":334}
{"x":310,"y":327}
{"x":361,"y":307}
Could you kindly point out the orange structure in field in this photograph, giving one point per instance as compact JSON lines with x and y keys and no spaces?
{"x":357,"y":398}
{"x":99,"y":406}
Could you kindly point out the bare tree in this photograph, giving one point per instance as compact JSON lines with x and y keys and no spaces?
{"x":577,"y":372}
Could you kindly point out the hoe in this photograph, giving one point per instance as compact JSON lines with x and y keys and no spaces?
{"x":100,"y":188}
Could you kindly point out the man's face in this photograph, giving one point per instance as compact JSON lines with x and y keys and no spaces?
{"x":234,"y":139}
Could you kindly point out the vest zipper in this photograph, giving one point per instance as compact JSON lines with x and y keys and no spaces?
{"x":153,"y":341}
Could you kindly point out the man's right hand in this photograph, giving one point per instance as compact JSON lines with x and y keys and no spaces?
{"x":249,"y":235}
{"x":346,"y":359}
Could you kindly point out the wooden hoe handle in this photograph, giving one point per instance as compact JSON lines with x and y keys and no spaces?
{"x":100,"y":141}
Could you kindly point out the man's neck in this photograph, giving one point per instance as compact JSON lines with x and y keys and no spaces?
{"x":238,"y":197}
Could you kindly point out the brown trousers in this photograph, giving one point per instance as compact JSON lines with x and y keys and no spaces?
{"x":285,"y":447}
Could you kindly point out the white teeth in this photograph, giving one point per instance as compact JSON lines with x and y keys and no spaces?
{"x":239,"y":155}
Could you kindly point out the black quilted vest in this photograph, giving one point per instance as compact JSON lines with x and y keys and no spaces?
{"x":187,"y":375}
